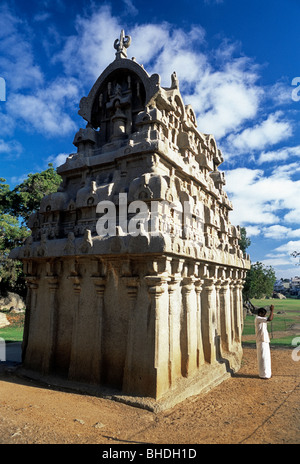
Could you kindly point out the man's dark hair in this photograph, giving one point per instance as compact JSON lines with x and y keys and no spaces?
{"x":262,"y":311}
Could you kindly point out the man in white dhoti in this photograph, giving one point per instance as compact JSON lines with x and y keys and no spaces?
{"x":263,"y":342}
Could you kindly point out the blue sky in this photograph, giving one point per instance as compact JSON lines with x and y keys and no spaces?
{"x":237,"y":62}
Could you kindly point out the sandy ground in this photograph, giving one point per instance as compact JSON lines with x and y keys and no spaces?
{"x":243,"y":409}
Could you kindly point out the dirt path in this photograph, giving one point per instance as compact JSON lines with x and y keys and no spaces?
{"x":243,"y":409}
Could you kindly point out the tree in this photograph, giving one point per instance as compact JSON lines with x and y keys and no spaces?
{"x":259,"y":282}
{"x":244,"y":241}
{"x":11,"y":236}
{"x":15,"y":208}
{"x":26,"y":197}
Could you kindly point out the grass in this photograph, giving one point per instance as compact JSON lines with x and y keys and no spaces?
{"x":14,"y":331}
{"x":280,"y":323}
{"x":290,"y":310}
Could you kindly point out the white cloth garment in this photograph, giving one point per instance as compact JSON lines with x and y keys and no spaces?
{"x":263,"y":348}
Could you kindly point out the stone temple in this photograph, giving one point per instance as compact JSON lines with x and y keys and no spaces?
{"x":134,"y":270}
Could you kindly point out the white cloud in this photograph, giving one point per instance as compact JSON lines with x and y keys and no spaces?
{"x":279,"y":232}
{"x":259,"y":199}
{"x":11,"y":149}
{"x":277,"y":261}
{"x":47,"y":110}
{"x":223,"y":99}
{"x":16,"y":56}
{"x":58,"y":160}
{"x":272,"y":130}
{"x":289,"y":247}
{"x":253,"y":231}
{"x":41,"y":17}
{"x":281,"y":154}
{"x":280,"y":93}
{"x":89,"y":52}
{"x":32,"y":103}
{"x":131,"y":9}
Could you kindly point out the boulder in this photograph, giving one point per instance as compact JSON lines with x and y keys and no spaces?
{"x":12,"y":302}
{"x":3,"y":320}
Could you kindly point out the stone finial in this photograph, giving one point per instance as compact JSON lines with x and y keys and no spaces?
{"x":122,"y":44}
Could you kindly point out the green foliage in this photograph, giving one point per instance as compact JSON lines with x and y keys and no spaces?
{"x":244,"y":241}
{"x":11,"y":236}
{"x":15,"y":208}
{"x":5,"y":199}
{"x":260,"y":281}
{"x":26,"y":197}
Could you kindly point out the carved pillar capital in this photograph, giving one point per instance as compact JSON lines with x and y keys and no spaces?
{"x":188,"y":284}
{"x":100,"y":283}
{"x":173,"y":284}
{"x":53,"y":282}
{"x":198,"y":285}
{"x":209,"y":284}
{"x":32,"y":282}
{"x":76,"y":279}
{"x":156,"y":284}
{"x":132,"y":284}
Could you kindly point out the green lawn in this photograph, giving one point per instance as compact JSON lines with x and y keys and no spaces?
{"x":281,"y":322}
{"x":14,"y":331}
{"x":290,"y":309}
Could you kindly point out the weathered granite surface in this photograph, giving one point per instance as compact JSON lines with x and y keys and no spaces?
{"x":134,"y":270}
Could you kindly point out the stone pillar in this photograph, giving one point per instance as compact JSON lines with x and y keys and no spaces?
{"x":189,"y":327}
{"x":159,"y":333}
{"x":242,"y":283}
{"x":232,"y":309}
{"x":50,"y":343}
{"x":32,"y":285}
{"x":75,"y":278}
{"x":225,"y":313}
{"x":174,"y":329}
{"x":239,"y":302}
{"x":218,"y":319}
{"x":200,"y":352}
{"x":237,"y":311}
{"x":99,"y":283}
{"x":209,"y":320}
{"x":132,"y":289}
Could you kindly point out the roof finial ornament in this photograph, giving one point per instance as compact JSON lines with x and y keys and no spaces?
{"x":122,"y":44}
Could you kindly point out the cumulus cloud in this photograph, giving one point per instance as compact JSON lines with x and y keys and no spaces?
{"x":58,"y":160}
{"x":16,"y":57}
{"x":281,"y":154}
{"x":279,"y":232}
{"x":46,"y":111}
{"x":272,"y":130}
{"x":90,"y":50}
{"x":223,"y":95}
{"x":10,"y":149}
{"x":32,"y":103}
{"x":289,"y":247}
{"x":262,"y":199}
